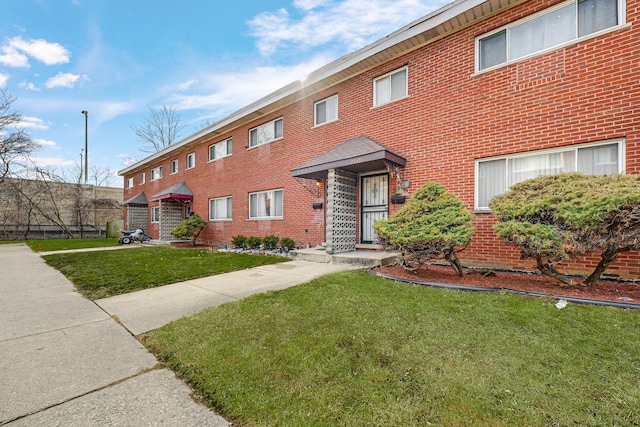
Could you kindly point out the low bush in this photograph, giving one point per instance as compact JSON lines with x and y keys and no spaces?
{"x":270,"y":242}
{"x":287,"y":243}
{"x":254,"y":242}
{"x":239,"y":241}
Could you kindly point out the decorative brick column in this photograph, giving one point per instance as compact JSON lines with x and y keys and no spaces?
{"x":342,"y":192}
{"x":137,"y":217}
{"x":170,"y":216}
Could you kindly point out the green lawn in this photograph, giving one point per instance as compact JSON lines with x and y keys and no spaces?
{"x":107,"y":273}
{"x":64,"y":244}
{"x":351,"y":349}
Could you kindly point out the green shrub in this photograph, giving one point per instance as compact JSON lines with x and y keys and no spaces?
{"x":558,"y":217}
{"x":254,"y":242}
{"x":239,"y":241}
{"x":287,"y":243}
{"x":270,"y":242}
{"x":433,"y":224}
{"x":190,"y":228}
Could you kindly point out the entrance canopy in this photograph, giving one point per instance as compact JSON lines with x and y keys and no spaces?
{"x":178,"y":192}
{"x":359,"y":154}
{"x":138,"y":200}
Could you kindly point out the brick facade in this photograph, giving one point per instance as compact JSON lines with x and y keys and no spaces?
{"x":580,"y":93}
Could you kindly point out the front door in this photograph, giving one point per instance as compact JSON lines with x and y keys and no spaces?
{"x":374,"y":203}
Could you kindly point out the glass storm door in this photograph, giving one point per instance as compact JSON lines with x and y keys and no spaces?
{"x":374,"y":204}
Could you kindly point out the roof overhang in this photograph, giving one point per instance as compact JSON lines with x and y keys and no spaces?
{"x":357,"y":155}
{"x":179,"y":192}
{"x":428,"y":29}
{"x":137,"y":200}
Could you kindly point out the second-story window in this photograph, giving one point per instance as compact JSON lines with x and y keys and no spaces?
{"x":156,"y":173}
{"x":220,"y":150}
{"x":265,"y":133}
{"x":191,"y":161}
{"x":174,"y":166}
{"x":553,"y":27}
{"x":326,"y":110}
{"x":390,"y":87}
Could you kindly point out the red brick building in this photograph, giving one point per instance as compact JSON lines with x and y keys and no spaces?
{"x":477,"y":96}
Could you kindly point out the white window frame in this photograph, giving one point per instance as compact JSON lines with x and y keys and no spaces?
{"x":621,"y":5}
{"x":214,"y":215}
{"x":155,"y":214}
{"x":264,"y":129}
{"x":393,"y":98}
{"x":191,"y":161}
{"x":156,"y":173}
{"x":175,"y":166}
{"x":142,"y":178}
{"x":272,"y":214}
{"x":229,"y":149}
{"x":130,"y":182}
{"x":575,"y":148}
{"x":327,"y":118}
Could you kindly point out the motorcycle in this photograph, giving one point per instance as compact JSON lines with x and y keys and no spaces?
{"x":130,"y":236}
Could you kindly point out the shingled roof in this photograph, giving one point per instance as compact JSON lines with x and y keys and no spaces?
{"x":359,"y":154}
{"x":178,"y":191}
{"x":137,"y":200}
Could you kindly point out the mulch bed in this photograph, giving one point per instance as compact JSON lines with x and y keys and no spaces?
{"x":604,"y":290}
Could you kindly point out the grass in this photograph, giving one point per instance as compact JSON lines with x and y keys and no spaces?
{"x":106,"y":273}
{"x":64,"y":244}
{"x":352,"y":349}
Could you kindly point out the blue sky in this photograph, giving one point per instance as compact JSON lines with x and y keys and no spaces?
{"x":206,"y":59}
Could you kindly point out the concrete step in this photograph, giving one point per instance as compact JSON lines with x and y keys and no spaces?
{"x":365,"y":259}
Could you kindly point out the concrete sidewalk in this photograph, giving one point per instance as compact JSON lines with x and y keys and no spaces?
{"x":65,"y":361}
{"x":149,"y":309}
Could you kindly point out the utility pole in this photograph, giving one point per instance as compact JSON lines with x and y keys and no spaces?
{"x":86,"y":145}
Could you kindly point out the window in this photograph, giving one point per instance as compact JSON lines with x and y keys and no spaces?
{"x":265,"y":133}
{"x":220,"y":150}
{"x":174,"y":166}
{"x":129,"y":182}
{"x":155,"y":214}
{"x":390,"y":87}
{"x":142,"y":178}
{"x":266,"y":204}
{"x":156,"y":173}
{"x":220,"y":209}
{"x":553,"y":27}
{"x":326,"y":110}
{"x":495,"y":176}
{"x":191,"y":160}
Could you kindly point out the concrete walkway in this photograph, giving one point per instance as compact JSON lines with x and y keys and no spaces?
{"x":64,"y":361}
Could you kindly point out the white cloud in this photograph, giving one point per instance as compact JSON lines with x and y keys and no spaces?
{"x":62,"y":80}
{"x":12,"y":58}
{"x":186,"y":85}
{"x":40,"y":50}
{"x":309,"y":4}
{"x":34,"y":123}
{"x":224,"y":92}
{"x":29,"y":86}
{"x":45,"y":143}
{"x":45,"y":162}
{"x":3,"y":80}
{"x":353,"y":23}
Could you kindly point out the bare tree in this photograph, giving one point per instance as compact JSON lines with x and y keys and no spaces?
{"x":161,"y":129}
{"x":15,"y":143}
{"x":101,"y":175}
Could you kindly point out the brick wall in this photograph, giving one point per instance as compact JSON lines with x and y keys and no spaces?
{"x":585,"y":92}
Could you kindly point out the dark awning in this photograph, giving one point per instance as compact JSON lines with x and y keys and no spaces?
{"x":138,"y":200}
{"x":359,"y":154}
{"x":180,"y":191}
